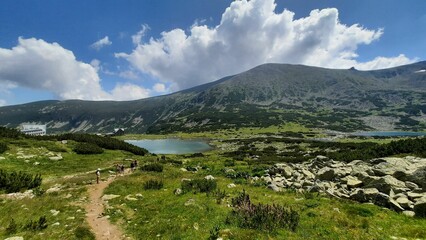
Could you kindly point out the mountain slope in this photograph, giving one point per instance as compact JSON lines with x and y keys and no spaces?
{"x":265,"y":95}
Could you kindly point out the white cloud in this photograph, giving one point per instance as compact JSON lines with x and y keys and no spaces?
{"x":101,"y":43}
{"x":137,"y":38}
{"x":252,"y":33}
{"x":159,"y":88}
{"x":2,"y":102}
{"x":129,"y":92}
{"x":37,"y":64}
{"x":129,"y":74}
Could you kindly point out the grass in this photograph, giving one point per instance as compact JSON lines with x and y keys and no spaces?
{"x":158,"y":213}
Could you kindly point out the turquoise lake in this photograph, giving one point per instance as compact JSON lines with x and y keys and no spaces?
{"x":172,"y":146}
{"x":389,"y":134}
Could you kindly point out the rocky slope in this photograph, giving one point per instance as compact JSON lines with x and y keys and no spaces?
{"x":395,"y":183}
{"x":266,"y":95}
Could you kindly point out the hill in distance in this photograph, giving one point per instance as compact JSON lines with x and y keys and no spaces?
{"x":270,"y":94}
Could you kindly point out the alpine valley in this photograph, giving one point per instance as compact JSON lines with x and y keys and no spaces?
{"x":270,"y":94}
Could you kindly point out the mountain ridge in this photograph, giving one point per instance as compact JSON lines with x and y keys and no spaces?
{"x":338,"y":99}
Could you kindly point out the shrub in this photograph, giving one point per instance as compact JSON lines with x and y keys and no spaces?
{"x":261,"y":216}
{"x":37,"y":225}
{"x":219,"y":195}
{"x":3,"y":147}
{"x":199,"y":185}
{"x":229,"y":163}
{"x":214,"y":233}
{"x":153,"y":167}
{"x":17,"y":181}
{"x":153,"y":184}
{"x":84,"y":233}
{"x":87,"y":148}
{"x":12,"y":227}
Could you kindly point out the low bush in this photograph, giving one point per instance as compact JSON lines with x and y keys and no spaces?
{"x":153,"y":167}
{"x":36,"y":225}
{"x":199,"y":185}
{"x":84,"y":233}
{"x":153,"y":184}
{"x":229,"y":163}
{"x":261,"y":216}
{"x":17,"y":181}
{"x":219,"y":195}
{"x":3,"y":147}
{"x":87,"y":148}
{"x":12,"y":228}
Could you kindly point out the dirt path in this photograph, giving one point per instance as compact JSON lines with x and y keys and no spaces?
{"x":100,"y":225}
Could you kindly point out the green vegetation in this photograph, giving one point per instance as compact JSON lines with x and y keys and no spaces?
{"x":152,"y":167}
{"x":87,"y":148}
{"x":232,"y":206}
{"x":3,"y":147}
{"x":17,"y":181}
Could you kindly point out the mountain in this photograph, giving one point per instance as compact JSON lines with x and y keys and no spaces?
{"x":269,"y":94}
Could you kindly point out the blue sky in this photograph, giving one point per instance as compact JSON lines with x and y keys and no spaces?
{"x":124,"y":50}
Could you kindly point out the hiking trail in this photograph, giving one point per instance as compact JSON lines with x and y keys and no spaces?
{"x":99,"y":224}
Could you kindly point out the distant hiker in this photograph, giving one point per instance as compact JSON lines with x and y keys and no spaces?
{"x":136,"y":164}
{"x":117,"y":169}
{"x":122,"y":168}
{"x":132,"y":166}
{"x":98,"y":175}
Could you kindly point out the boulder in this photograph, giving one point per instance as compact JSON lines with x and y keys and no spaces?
{"x":308,"y":174}
{"x":409,"y":213}
{"x":178,"y":191}
{"x":420,"y":207}
{"x":364,"y":195}
{"x":209,"y":177}
{"x":386,"y":183}
{"x":382,"y":200}
{"x":412,"y":195}
{"x":326,"y":173}
{"x":419,"y":177}
{"x":15,"y":238}
{"x":411,"y":185}
{"x":395,"y":206}
{"x":404,"y":202}
{"x":231,"y":185}
{"x":274,"y":188}
{"x":352,"y":182}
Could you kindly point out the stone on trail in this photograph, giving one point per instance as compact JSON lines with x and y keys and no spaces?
{"x":109,"y":196}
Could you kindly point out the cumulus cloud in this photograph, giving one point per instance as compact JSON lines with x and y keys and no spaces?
{"x":251,"y":33}
{"x":37,"y":64}
{"x":129,"y":92}
{"x":101,"y":43}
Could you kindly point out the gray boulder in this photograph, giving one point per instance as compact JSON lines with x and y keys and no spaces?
{"x":326,"y":174}
{"x":386,"y":183}
{"x":419,"y":177}
{"x":364,"y":195}
{"x":420,"y":207}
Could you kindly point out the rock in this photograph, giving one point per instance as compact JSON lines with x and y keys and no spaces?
{"x":404,"y":202}
{"x":184,"y":170}
{"x":36,"y":163}
{"x":56,"y":158}
{"x":177,"y":191}
{"x":386,"y":183}
{"x":19,"y":195}
{"x":409,"y":213}
{"x":412,"y":195}
{"x":267,"y":179}
{"x":189,"y":202}
{"x":231,"y":185}
{"x":209,"y":177}
{"x":2,"y":158}
{"x":55,"y":188}
{"x":274,"y":187}
{"x":420,"y":207}
{"x":56,"y":224}
{"x":308,"y":174}
{"x":70,"y":218}
{"x":196,"y":227}
{"x":326,"y":173}
{"x":15,"y":238}
{"x":353,"y":182}
{"x":364,"y":195}
{"x":418,"y":177}
{"x":411,"y":185}
{"x":54,"y":212}
{"x":130,"y":198}
{"x":395,"y":206}
{"x":109,"y":196}
{"x":139,"y":195}
{"x":381,"y":199}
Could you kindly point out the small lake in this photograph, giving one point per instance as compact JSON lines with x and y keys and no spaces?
{"x":172,"y":146}
{"x":389,"y":134}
